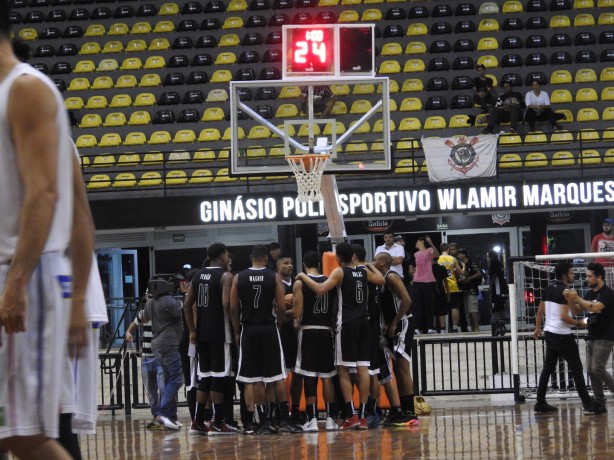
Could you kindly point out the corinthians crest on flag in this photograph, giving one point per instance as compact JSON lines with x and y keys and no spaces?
{"x":461,"y":157}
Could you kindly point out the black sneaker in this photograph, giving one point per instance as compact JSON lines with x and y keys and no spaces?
{"x":597,"y":408}
{"x":589,"y":405}
{"x":249,"y":428}
{"x":263,"y":430}
{"x":391,"y":419}
{"x":286,"y":426}
{"x":487,"y":131}
{"x":544,"y":407}
{"x":557,"y":127}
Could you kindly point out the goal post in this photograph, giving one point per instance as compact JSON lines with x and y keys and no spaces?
{"x":531,"y":276}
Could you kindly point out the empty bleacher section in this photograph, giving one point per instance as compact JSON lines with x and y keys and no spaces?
{"x":147,"y":82}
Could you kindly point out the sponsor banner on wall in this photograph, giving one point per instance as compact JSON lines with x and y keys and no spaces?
{"x":378,"y":225}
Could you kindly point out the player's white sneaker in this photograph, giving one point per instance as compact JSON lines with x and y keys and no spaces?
{"x":166,"y":423}
{"x":311,"y":425}
{"x":331,"y":425}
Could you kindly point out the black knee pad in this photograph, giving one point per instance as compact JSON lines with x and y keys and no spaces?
{"x":218,"y":384}
{"x":204,"y":384}
{"x":310,"y":386}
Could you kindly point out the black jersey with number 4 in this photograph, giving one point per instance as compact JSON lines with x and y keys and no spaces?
{"x":317,"y":309}
{"x":257,"y":293}
{"x":352,"y":295}
{"x":211,"y":323}
{"x":374,"y":304}
{"x":391,"y":303}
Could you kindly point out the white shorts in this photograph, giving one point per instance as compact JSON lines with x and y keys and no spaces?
{"x":471,"y":303}
{"x":32,"y":362}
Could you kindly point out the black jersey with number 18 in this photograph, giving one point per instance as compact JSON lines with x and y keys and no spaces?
{"x":352,"y":295}
{"x":211,"y":323}
{"x":257,"y":293}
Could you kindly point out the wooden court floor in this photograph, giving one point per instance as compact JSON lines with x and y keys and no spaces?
{"x":468,"y":429}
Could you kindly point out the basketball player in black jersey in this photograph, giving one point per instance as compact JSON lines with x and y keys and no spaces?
{"x":352,"y":344}
{"x":395,"y":303}
{"x":316,"y":354}
{"x":256,"y":299}
{"x":207,"y":306}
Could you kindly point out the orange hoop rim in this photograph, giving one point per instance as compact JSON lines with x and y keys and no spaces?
{"x":307,"y":156}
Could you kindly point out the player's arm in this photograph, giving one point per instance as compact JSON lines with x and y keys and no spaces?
{"x":374,"y":275}
{"x":226,"y":286}
{"x":397,"y":260}
{"x":335,"y":278}
{"x":131,"y":328}
{"x":567,"y":319}
{"x":397,"y":286}
{"x":235,"y":309}
{"x":593,"y":306}
{"x":457,"y":268}
{"x":280,"y":297}
{"x":297,"y":307}
{"x":32,"y":111}
{"x":539,"y":319}
{"x":189,"y":310}
{"x":435,"y":251}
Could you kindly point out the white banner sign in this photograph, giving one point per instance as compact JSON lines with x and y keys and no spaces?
{"x":462,"y":157}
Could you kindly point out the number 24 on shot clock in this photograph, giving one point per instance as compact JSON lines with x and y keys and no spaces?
{"x":312,"y":51}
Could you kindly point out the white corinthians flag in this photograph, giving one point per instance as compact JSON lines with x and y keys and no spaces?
{"x":460,"y":157}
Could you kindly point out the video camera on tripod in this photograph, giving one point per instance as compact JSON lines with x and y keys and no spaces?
{"x":165,"y":284}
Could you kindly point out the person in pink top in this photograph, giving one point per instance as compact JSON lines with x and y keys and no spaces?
{"x":423,"y":288}
{"x":604,"y":242}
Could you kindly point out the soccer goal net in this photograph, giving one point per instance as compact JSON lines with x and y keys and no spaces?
{"x":531,"y":277}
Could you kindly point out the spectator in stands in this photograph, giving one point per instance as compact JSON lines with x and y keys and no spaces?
{"x":483,"y":95}
{"x":604,"y":242}
{"x":508,"y":108}
{"x":538,"y":107}
{"x":323,"y":100}
{"x":274,"y":251}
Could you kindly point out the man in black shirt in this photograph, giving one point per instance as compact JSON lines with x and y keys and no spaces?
{"x":469,"y":284}
{"x":352,"y":344}
{"x":508,"y":108}
{"x":483,"y":95}
{"x":599,"y":303}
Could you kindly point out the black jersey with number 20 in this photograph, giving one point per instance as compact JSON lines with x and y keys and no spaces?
{"x":352,"y":295}
{"x":317,"y":309}
{"x":257,"y":293}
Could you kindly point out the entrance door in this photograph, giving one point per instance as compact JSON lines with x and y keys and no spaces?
{"x":119,"y":276}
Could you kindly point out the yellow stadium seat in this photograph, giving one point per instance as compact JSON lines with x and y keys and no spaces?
{"x":84,"y":161}
{"x":227,"y":136}
{"x":164,"y":27}
{"x":416,"y":47}
{"x":605,"y":3}
{"x":607,"y":93}
{"x":221,"y":76}
{"x":340,"y":108}
{"x":568,"y":116}
{"x":110,"y":140}
{"x":424,"y":167}
{"x":588,"y":135}
{"x":406,"y":165}
{"x":487,"y":25}
{"x":145,"y":100}
{"x":150,"y":179}
{"x":229,"y":40}
{"x":435,"y":122}
{"x":364,"y":127}
{"x":584,"y":20}
{"x":493,"y":77}
{"x":608,"y":156}
{"x":351,"y":2}
{"x":255,"y":152}
{"x":561,"y":137}
{"x":223,"y":155}
{"x":131,"y":63}
{"x":79,"y":84}
{"x":286,"y":111}
{"x":416,"y":29}
{"x":410,"y":124}
{"x":84,"y":67}
{"x":363,"y":88}
{"x":536,"y":160}
{"x":99,"y":181}
{"x":360,"y":106}
{"x":608,"y":114}
{"x":159,"y":44}
{"x":607,"y":74}
{"x":583,"y":4}
{"x":227,"y":58}
{"x":510,"y":139}
{"x":129,"y":159}
{"x":371,"y":15}
{"x":140,"y":117}
{"x":155,"y":62}
{"x":407,"y":145}
{"x":103,"y":161}
{"x":204,"y":155}
{"x":113,"y":46}
{"x":209,"y":135}
{"x":277,"y":151}
{"x":348,"y":16}
{"x":414,"y":65}
{"x":290,"y":92}
{"x":586,"y":76}
{"x":339,"y":128}
{"x":608,"y":134}
{"x":73,"y":103}
{"x":233,"y":22}
{"x":606,"y":19}
{"x":259,"y":132}
{"x":217,"y":95}
{"x":136,"y":46}
{"x":102,"y":82}
{"x":560,"y":21}
{"x":587,"y":114}
{"x":510,"y":161}
{"x":124,"y":180}
{"x":412,"y":85}
{"x":150,"y":80}
{"x":153,"y":158}
{"x":563,"y":158}
{"x":222,"y":176}
{"x":213,"y":114}
{"x":535,"y":137}
{"x":392,"y":49}
{"x":489,"y":61}
{"x":411,"y":104}
{"x":159,"y":137}
{"x":561,"y":77}
{"x":388,"y":67}
{"x":354,"y":147}
{"x":90,"y":48}
{"x":85,"y":141}
{"x":340,"y":89}
{"x":126,"y":81}
{"x":512,"y":6}
{"x":176,"y":177}
{"x":115,"y":119}
{"x":394,"y":87}
{"x":28,"y":34}
{"x":119,"y":28}
{"x":303,"y":130}
{"x":201,"y":176}
{"x":459,"y":121}
{"x":589,"y":157}
{"x":586,"y":95}
{"x":237,"y":5}
{"x":141,"y":27}
{"x":487,"y":44}
{"x":184,"y":136}
{"x":328,"y":3}
{"x":561,"y":96}
{"x":135,"y":138}
{"x":107,"y":65}
{"x":169,"y":9}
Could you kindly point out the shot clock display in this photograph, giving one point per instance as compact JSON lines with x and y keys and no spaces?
{"x":328,"y":50}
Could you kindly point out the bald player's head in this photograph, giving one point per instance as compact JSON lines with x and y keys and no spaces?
{"x":383,"y":261}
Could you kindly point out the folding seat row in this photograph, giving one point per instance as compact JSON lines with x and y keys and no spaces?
{"x":147,"y":80}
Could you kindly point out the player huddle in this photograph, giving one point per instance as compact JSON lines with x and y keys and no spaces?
{"x":259,"y":325}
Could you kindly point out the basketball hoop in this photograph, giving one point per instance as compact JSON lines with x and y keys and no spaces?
{"x":308,"y":169}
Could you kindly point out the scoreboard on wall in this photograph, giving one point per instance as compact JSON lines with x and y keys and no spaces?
{"x":330,"y":50}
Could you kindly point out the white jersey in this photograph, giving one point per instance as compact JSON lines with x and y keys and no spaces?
{"x":11,"y":187}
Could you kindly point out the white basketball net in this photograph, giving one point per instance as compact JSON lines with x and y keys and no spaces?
{"x":308,"y":170}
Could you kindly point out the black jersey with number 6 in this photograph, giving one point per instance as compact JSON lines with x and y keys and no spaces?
{"x":352,"y":295}
{"x":210,"y":320}
{"x":257,"y":293}
{"x":317,"y":309}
